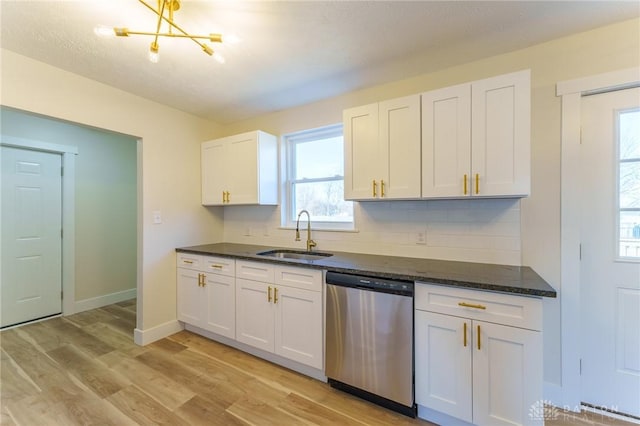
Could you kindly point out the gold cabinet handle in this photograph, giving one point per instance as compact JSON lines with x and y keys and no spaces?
{"x":477,"y":183}
{"x":224,"y":196}
{"x":216,"y":266}
{"x":228,"y":197}
{"x":381,"y":188}
{"x":204,"y":280}
{"x":478,"y":337}
{"x":269,"y":295}
{"x":375,"y":188}
{"x":470,"y":305}
{"x":275,"y":295}
{"x":199,"y":280}
{"x":464,"y":331}
{"x":465,"y":184}
{"x":190,"y":262}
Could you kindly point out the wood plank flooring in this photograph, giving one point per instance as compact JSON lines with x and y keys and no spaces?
{"x":85,"y":369}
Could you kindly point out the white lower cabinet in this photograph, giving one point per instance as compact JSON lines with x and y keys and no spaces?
{"x":470,"y":367}
{"x":206,"y":293}
{"x":279,"y":310}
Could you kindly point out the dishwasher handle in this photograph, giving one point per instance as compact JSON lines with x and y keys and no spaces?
{"x":382,"y":285}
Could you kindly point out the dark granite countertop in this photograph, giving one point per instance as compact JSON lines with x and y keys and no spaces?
{"x":503,"y":278}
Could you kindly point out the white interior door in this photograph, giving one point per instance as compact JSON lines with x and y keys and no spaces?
{"x":610,"y":238}
{"x":31,"y":285}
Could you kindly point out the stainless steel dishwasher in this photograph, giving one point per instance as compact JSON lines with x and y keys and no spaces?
{"x":369,"y":339}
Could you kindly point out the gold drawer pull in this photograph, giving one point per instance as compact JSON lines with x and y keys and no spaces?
{"x":470,"y":305}
{"x":216,"y":266}
{"x":188,"y":261}
{"x":465,"y":334}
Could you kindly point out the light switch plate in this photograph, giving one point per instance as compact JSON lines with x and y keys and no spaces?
{"x":157,"y":217}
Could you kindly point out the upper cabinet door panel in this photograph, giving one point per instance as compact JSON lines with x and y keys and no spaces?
{"x":399,"y":134}
{"x":242,"y":159}
{"x":213,"y":172}
{"x":501,"y":132}
{"x":361,"y":151}
{"x":446,"y":142}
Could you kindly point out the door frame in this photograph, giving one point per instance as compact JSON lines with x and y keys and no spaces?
{"x":68,"y":154}
{"x":571,"y":92}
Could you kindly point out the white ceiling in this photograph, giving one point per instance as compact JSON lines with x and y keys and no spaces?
{"x":292,"y":52}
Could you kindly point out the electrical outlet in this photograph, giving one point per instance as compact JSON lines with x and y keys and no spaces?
{"x":420,"y":238}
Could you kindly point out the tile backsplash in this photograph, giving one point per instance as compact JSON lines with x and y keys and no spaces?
{"x":474,"y":230}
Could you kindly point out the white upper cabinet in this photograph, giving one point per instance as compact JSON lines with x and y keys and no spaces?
{"x":501,"y":135}
{"x":476,"y":138}
{"x":382,"y":150}
{"x":240,"y":169}
{"x":446,"y":141}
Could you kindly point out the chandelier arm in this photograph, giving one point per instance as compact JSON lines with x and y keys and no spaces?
{"x":174,"y":35}
{"x":160,"y":15}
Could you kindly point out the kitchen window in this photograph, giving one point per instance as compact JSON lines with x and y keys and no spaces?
{"x":628,"y":126}
{"x":314,"y":179}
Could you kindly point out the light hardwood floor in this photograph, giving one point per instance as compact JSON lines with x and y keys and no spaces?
{"x":85,"y":369}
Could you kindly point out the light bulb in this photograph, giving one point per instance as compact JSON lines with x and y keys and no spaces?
{"x":104,"y":31}
{"x":154,"y":56}
{"x":219,"y":58}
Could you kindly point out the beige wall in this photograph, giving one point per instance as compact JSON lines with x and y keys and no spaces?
{"x":601,"y":50}
{"x":168,"y":165}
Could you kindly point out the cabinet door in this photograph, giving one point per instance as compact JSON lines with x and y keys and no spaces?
{"x":399,"y":133}
{"x":242,"y":166}
{"x":221,"y":305}
{"x":446,"y":142}
{"x":361,"y":153}
{"x":507,"y":374}
{"x":213,"y":172}
{"x":443,"y":363}
{"x":298,"y":325}
{"x":192,"y":305}
{"x":501,"y":116}
{"x":254,"y":314}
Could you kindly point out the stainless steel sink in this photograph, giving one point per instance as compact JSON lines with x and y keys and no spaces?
{"x":295,"y":254}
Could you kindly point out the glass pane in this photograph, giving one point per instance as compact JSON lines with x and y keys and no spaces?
{"x":629,"y":122}
{"x":630,"y":185}
{"x":323,"y":200}
{"x":319,"y":158}
{"x":630,"y":234}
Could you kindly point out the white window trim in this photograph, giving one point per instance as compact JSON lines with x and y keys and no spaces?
{"x":287,"y":141}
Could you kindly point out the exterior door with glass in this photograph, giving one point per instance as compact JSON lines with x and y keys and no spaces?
{"x":610,"y":251}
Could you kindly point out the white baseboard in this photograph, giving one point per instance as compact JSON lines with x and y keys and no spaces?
{"x":100,"y":301}
{"x":150,"y":335}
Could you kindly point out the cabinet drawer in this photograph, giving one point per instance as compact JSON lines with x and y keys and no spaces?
{"x":189,"y":261}
{"x":219,"y":265}
{"x":307,"y":279}
{"x":516,"y":311}
{"x":255,"y":271}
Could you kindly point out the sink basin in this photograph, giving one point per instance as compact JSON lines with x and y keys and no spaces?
{"x":295,"y":254}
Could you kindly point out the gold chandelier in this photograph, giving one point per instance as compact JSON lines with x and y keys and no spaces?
{"x":165,"y":11}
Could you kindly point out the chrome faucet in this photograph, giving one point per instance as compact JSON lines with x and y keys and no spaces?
{"x":310,"y":243}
